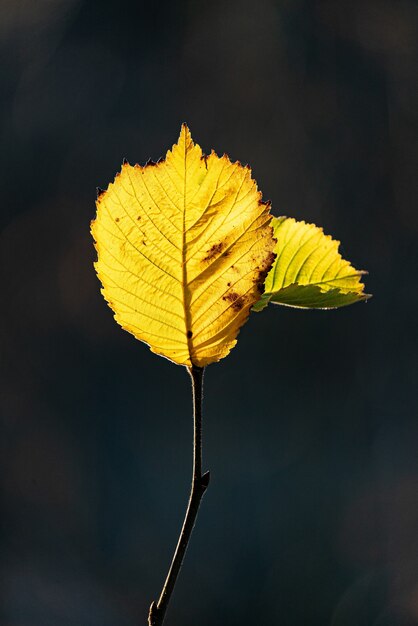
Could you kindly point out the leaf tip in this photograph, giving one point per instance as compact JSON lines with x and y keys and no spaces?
{"x":185,"y":133}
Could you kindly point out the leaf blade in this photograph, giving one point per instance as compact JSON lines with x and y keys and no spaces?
{"x":308,"y":271}
{"x":184,"y":246}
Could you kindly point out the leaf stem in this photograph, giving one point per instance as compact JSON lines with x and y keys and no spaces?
{"x":199,"y":485}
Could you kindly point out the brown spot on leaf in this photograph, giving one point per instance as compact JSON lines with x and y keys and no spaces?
{"x":139,"y":217}
{"x":116,"y":219}
{"x":189,"y":334}
{"x":235,"y":299}
{"x":260,"y":277}
{"x":214,"y":250}
{"x":269,"y":261}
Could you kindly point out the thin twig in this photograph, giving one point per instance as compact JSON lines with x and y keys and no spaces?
{"x":199,"y":485}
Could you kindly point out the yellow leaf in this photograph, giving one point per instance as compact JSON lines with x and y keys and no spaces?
{"x":308,"y":271}
{"x":183,"y":246}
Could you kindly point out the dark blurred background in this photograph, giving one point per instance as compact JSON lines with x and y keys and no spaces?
{"x":311,"y":429}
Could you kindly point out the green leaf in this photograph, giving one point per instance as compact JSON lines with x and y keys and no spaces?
{"x":308,"y":271}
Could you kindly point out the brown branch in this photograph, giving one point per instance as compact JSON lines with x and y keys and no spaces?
{"x":199,"y":485}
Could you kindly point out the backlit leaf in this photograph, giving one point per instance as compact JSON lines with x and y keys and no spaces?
{"x":184,"y":246}
{"x":308,"y":271}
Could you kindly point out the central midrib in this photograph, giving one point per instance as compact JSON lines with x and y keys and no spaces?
{"x":186,"y":308}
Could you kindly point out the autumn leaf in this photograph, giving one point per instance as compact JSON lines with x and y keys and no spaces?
{"x":308,"y":271}
{"x":184,"y":246}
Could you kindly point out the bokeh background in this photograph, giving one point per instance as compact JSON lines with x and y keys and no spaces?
{"x":311,"y":429}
